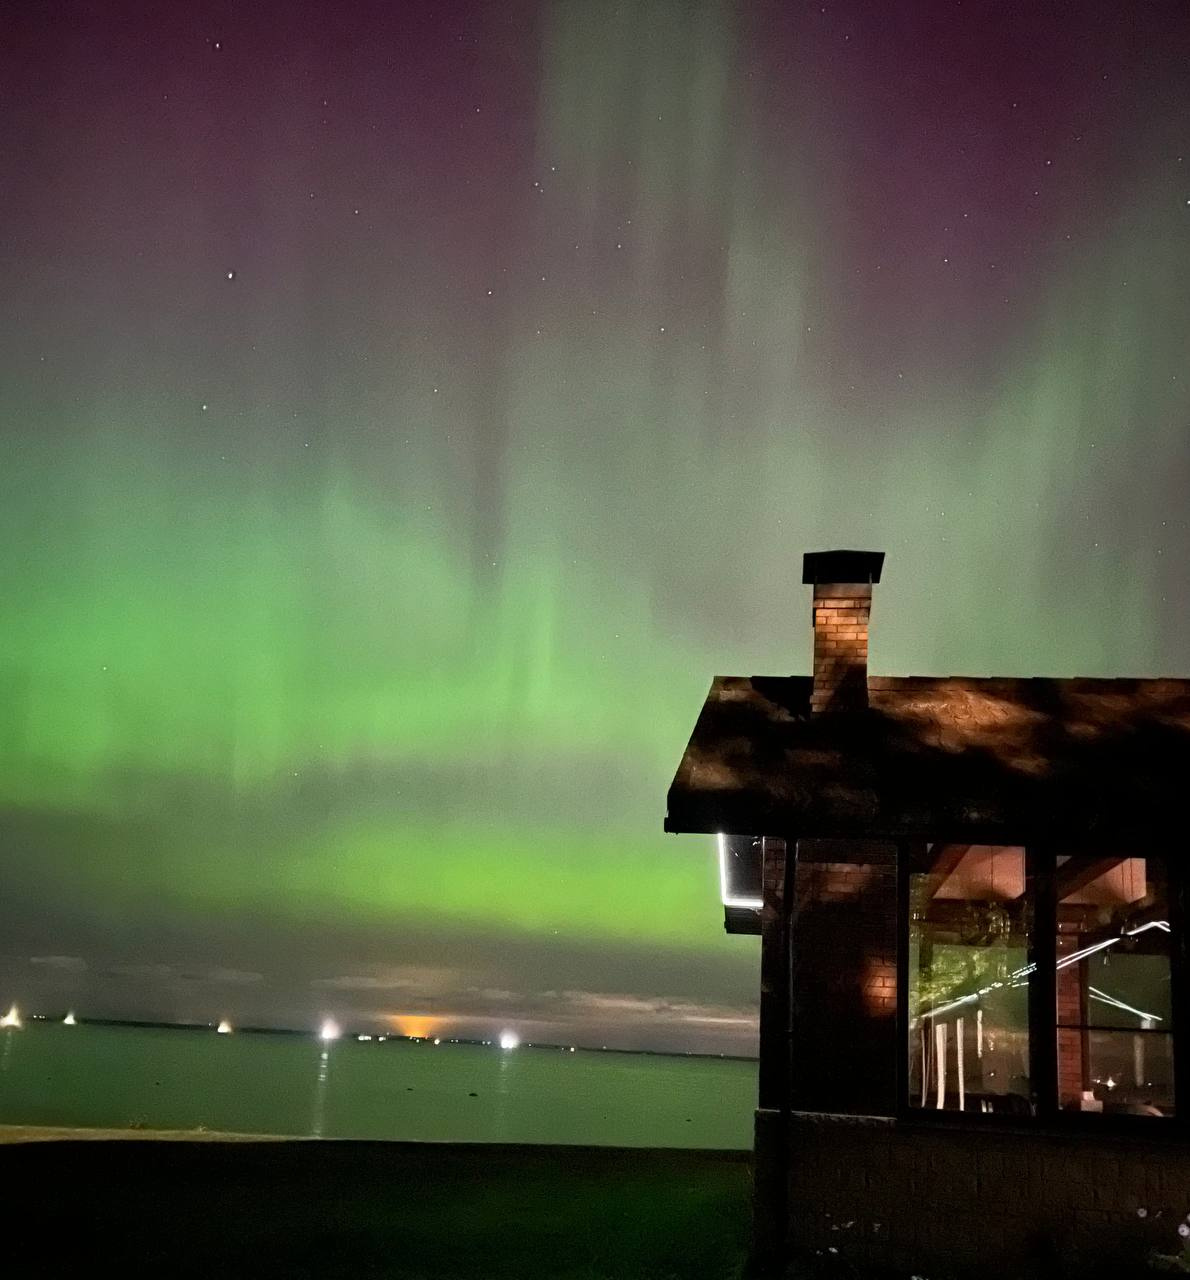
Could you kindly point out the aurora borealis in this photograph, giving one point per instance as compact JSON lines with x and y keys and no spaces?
{"x":408,"y":408}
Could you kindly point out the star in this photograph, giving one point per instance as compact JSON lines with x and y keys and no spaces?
{"x":231,"y":275}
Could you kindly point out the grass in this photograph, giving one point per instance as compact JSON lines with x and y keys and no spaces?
{"x":338,"y":1209}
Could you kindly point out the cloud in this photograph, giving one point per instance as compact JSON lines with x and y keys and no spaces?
{"x":407,"y":996}
{"x":749,"y":1021}
{"x":576,"y":1006}
{"x":408,"y":978}
{"x":151,"y":972}
{"x":233,"y":977}
{"x":356,"y":982}
{"x":656,"y":1008}
{"x":63,"y":964}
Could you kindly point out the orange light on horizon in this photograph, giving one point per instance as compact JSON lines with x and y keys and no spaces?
{"x":416,"y":1025}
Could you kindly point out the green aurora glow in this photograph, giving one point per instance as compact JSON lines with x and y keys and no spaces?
{"x":411,"y":623}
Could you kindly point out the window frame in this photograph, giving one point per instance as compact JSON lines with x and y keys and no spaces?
{"x":1040,"y":882}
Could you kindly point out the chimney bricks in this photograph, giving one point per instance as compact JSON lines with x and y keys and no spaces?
{"x":842,"y":604}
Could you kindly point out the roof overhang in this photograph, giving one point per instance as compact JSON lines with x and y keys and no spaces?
{"x":954,"y":758}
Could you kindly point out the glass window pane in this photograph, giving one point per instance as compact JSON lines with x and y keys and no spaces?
{"x":1115,"y":1043}
{"x":741,"y":870}
{"x":968,"y":980}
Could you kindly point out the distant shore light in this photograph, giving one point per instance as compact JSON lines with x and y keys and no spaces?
{"x":437,"y":1041}
{"x":70,"y":1020}
{"x":509,"y":1039}
{"x":329,"y":1030}
{"x":12,"y":1019}
{"x":224,"y":1028}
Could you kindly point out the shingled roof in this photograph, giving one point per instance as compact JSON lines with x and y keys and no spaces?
{"x":997,"y":760}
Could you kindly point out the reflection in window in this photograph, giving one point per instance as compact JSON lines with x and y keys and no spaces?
{"x":1115,"y":1043}
{"x":968,"y":980}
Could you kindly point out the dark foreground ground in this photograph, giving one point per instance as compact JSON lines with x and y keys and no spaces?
{"x":331,"y":1209}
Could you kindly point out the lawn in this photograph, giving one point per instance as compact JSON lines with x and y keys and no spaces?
{"x":331,"y":1209}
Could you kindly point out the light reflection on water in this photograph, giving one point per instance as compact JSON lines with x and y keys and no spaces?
{"x":502,"y":1095}
{"x":324,"y":1071}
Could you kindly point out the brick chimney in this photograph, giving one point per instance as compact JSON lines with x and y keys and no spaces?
{"x":842,"y":602}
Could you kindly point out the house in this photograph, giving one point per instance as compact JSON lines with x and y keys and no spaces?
{"x":970,"y":894}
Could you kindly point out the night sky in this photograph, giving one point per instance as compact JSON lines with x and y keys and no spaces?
{"x":407,"y":408}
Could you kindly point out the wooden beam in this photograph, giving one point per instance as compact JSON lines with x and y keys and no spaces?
{"x":945,"y":860}
{"x":1076,"y":873}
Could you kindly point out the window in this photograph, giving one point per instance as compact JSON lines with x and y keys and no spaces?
{"x":1114,"y":1013}
{"x":992,"y":931}
{"x":741,"y":870}
{"x":968,"y":980}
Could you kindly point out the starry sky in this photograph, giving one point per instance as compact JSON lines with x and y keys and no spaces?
{"x":406,"y":409}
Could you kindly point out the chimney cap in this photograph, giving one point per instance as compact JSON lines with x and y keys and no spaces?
{"x":842,"y":566}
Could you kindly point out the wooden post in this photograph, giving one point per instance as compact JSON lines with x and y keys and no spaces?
{"x":770,"y":1209}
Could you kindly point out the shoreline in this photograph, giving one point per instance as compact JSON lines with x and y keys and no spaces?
{"x":16,"y":1134}
{"x":13,"y":1133}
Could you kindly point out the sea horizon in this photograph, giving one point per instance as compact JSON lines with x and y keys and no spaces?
{"x":350,"y":1033}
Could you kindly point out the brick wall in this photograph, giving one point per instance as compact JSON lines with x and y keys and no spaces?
{"x":1072,"y":1049}
{"x":841,"y":615}
{"x":980,"y":1204}
{"x":845,"y":977}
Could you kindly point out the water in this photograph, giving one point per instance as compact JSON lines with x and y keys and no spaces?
{"x":156,"y":1078}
